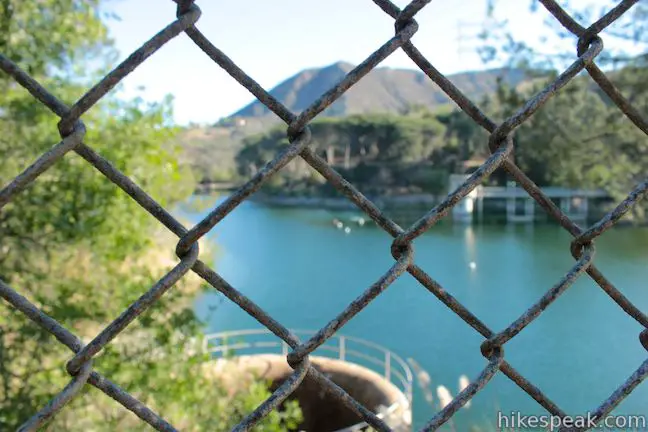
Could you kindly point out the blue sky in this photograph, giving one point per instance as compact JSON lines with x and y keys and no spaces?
{"x":274,"y":39}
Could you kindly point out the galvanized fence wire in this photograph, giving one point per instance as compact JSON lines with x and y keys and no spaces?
{"x":72,"y":132}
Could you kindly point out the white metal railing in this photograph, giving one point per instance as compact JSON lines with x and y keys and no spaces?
{"x":345,"y":348}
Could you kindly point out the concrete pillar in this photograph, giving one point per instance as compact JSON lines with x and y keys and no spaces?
{"x":510,"y":210}
{"x":463,"y":211}
{"x":330,"y":155}
{"x":347,"y":156}
{"x":529,"y":210}
{"x":510,"y":202}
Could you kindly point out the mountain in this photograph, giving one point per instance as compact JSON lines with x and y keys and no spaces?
{"x":382,"y":90}
{"x":211,"y":150}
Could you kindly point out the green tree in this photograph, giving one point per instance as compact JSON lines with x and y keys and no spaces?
{"x":373,"y":151}
{"x":579,"y":138}
{"x":463,"y":132}
{"x":558,"y":147}
{"x":82,"y":250}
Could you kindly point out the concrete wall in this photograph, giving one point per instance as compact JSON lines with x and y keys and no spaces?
{"x":323,"y":413}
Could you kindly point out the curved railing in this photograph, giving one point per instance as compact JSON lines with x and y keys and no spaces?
{"x":345,"y":348}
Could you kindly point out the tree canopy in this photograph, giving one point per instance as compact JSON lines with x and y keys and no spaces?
{"x":81,"y":250}
{"x":580,"y":138}
{"x":374,"y":151}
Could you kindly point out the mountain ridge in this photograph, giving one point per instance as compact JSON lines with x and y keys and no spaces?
{"x":384,"y":89}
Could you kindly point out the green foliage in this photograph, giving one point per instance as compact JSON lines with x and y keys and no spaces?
{"x":580,"y":138}
{"x":557,"y":146}
{"x":556,"y":47}
{"x":373,"y":151}
{"x":429,"y":179}
{"x":470,"y":138}
{"x":49,"y":35}
{"x":79,"y":248}
{"x":209,"y":152}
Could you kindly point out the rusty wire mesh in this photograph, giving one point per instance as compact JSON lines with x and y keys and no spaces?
{"x":72,"y":131}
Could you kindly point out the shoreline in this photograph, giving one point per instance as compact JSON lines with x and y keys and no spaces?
{"x":334,"y":203}
{"x":404,"y":203}
{"x":343,"y":203}
{"x":340,"y":202}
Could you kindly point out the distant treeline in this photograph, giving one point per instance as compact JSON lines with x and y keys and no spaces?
{"x":380,"y":153}
{"x":579,"y":139}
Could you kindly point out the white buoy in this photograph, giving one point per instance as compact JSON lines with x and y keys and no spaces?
{"x":359,"y":220}
{"x":339,"y":225}
{"x":347,"y":230}
{"x":472,"y":265}
{"x":444,"y":396}
{"x":464,"y":382}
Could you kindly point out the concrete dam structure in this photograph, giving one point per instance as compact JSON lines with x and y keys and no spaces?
{"x":374,"y":376}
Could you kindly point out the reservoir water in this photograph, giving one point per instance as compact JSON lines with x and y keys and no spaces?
{"x":303,"y":271}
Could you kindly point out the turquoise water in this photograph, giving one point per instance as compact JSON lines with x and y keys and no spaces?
{"x":303,"y":271}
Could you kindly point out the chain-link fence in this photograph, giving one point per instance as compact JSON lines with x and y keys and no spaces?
{"x":72,"y":131}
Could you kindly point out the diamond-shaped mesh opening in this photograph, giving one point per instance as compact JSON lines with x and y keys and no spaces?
{"x":555,"y":350}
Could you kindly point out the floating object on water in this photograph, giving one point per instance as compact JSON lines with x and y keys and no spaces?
{"x":464,"y":382}
{"x":444,"y":396}
{"x":472,"y":265}
{"x":338,"y":223}
{"x":359,"y":220}
{"x":424,"y":380}
{"x":347,"y":230}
